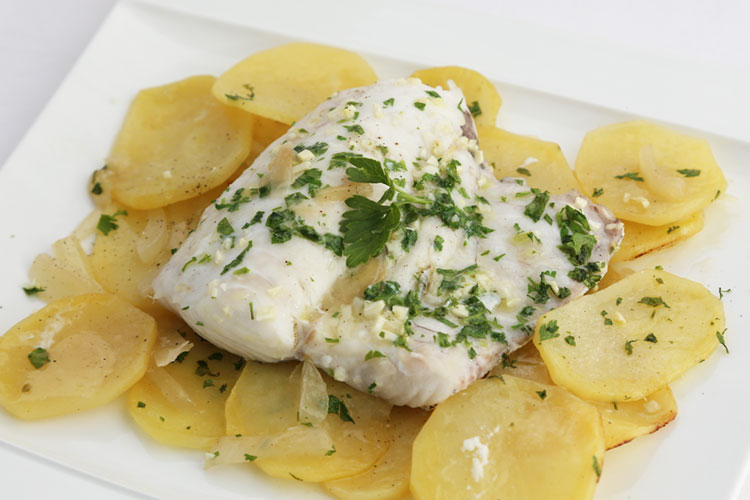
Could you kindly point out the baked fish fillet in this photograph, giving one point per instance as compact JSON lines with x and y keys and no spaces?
{"x":373,"y":239}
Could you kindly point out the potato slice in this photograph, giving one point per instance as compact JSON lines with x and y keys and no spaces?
{"x":388,"y":479}
{"x":67,"y":273}
{"x":176,"y":142}
{"x":509,"y":438}
{"x":182,"y":403}
{"x":287,"y":82}
{"x":265,"y":131}
{"x":254,"y":410}
{"x":482,"y":98}
{"x":74,"y":354}
{"x":664,"y":176}
{"x":615,"y":272}
{"x":622,"y":422}
{"x":628,"y":420}
{"x":641,"y":239}
{"x":115,"y":261}
{"x":604,"y":351}
{"x":541,"y":163}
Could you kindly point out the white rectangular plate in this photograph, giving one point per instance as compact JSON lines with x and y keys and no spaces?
{"x":702,"y":455}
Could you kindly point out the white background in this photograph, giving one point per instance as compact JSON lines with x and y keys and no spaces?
{"x":40,"y":40}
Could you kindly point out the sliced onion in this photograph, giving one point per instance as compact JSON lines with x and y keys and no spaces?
{"x":169,"y":345}
{"x":313,"y":399}
{"x":298,"y":441}
{"x":659,"y":181}
{"x":170,"y":388}
{"x":154,"y":237}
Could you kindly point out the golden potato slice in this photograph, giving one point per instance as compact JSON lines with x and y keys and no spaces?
{"x":622,"y":421}
{"x":541,"y":163}
{"x":67,"y":273}
{"x":524,"y":363}
{"x":648,"y":174}
{"x":287,"y":82}
{"x":630,"y":339}
{"x":74,"y":354}
{"x":641,"y":239}
{"x":176,"y":142}
{"x":388,"y":479}
{"x":254,"y":410}
{"x":509,"y":438}
{"x":115,"y":260}
{"x":482,"y":98}
{"x":265,"y":131}
{"x":182,"y":403}
{"x":628,"y":420}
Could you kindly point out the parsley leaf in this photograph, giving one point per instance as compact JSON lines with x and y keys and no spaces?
{"x":38,"y":357}
{"x":317,"y":149}
{"x":309,"y":178}
{"x":33,"y":290}
{"x":633,"y":176}
{"x":689,"y":172}
{"x":535,"y":209}
{"x":720,"y":336}
{"x":373,"y":354}
{"x":337,"y":407}
{"x":237,"y":260}
{"x":548,"y":331}
{"x":475,"y":109}
{"x":653,"y":302}
{"x":108,"y":223}
{"x":367,"y":228}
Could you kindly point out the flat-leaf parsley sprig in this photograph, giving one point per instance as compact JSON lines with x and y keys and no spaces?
{"x":369,"y":225}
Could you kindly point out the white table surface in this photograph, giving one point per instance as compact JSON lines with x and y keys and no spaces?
{"x":41,"y":39}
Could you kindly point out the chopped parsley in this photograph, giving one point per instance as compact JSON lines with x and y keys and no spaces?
{"x":689,"y":172}
{"x":388,"y":102}
{"x":224,"y":227}
{"x":33,"y":290}
{"x":419,"y":105}
{"x":535,"y":209}
{"x":720,"y":336}
{"x":309,"y":178}
{"x":317,"y":149}
{"x":523,"y":171}
{"x":651,"y":338}
{"x":597,"y":467}
{"x":437,"y":243}
{"x":629,"y":346}
{"x":633,"y":176}
{"x":249,"y":94}
{"x":250,"y":458}
{"x":355,"y":129}
{"x":542,"y":394}
{"x":373,"y":354}
{"x":653,"y":302}
{"x":337,"y":407}
{"x":570,"y":340}
{"x":474,"y":109}
{"x":371,"y":387}
{"x":38,"y":357}
{"x":237,"y":260}
{"x":108,"y":223}
{"x":339,"y":160}
{"x":432,"y":93}
{"x":597,"y":192}
{"x":548,"y":331}
{"x":141,"y":404}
